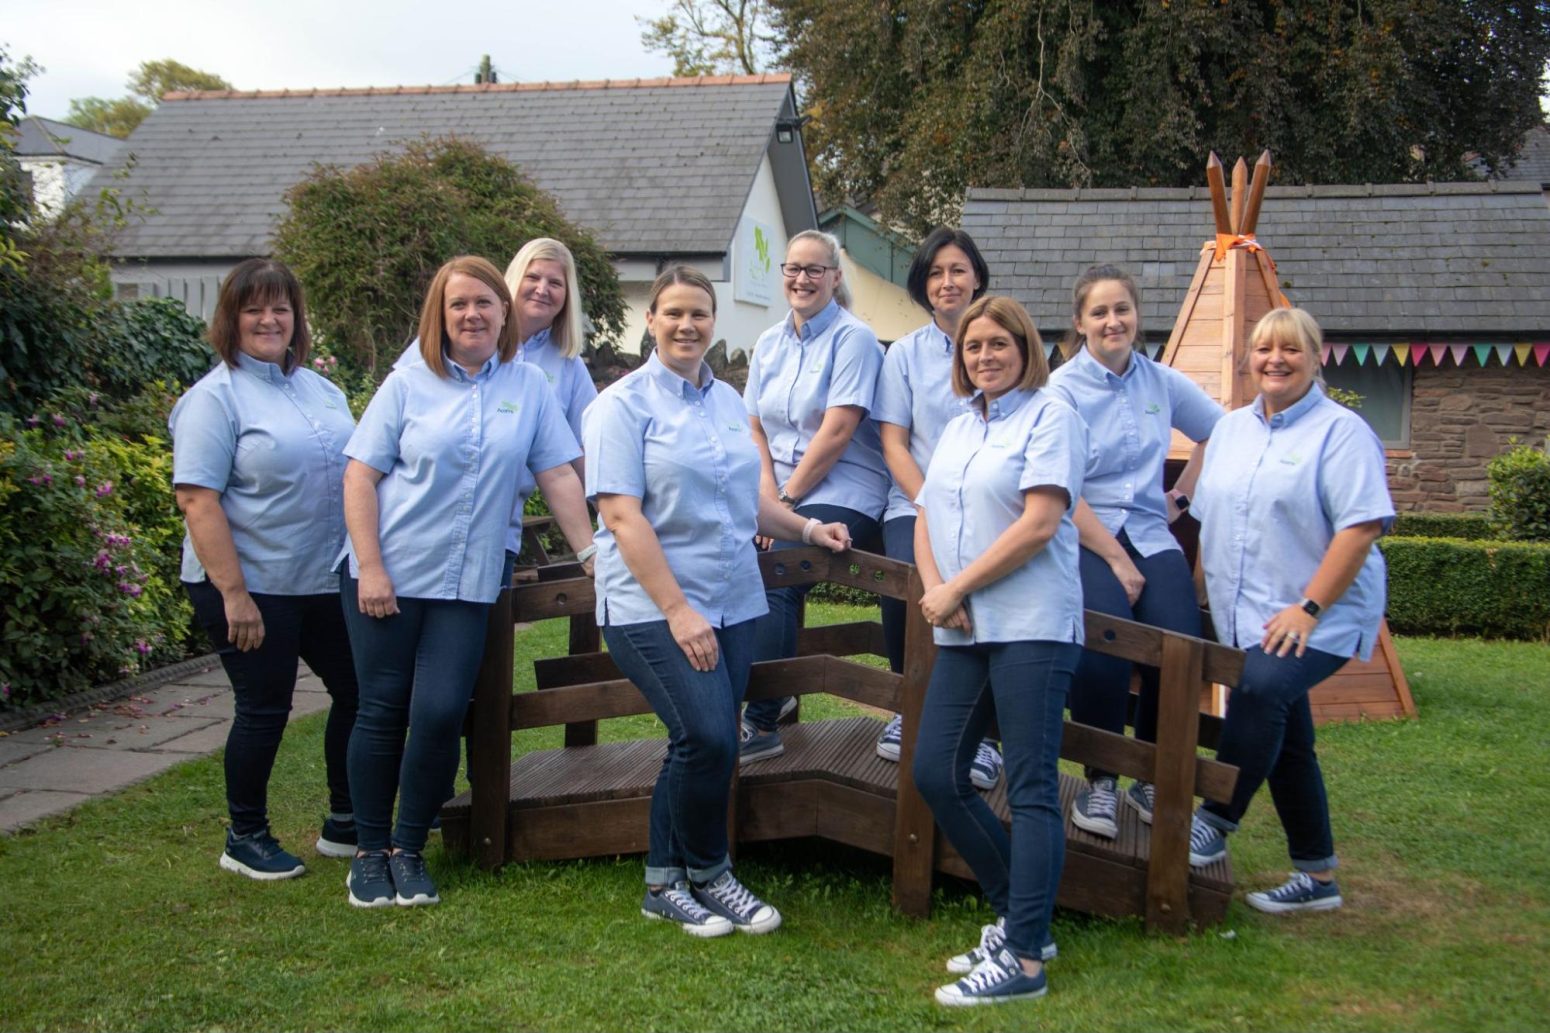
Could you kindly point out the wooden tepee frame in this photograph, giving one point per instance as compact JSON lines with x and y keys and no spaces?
{"x":1233,"y":287}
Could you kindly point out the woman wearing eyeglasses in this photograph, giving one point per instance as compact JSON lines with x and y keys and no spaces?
{"x":810,"y":387}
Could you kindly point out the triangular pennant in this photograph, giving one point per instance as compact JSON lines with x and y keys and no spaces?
{"x":1340,"y":350}
{"x":1362,"y":351}
{"x":1324,"y":356}
{"x":1401,"y":353}
{"x":1459,"y":351}
{"x":1049,"y":348}
{"x":1381,"y":352}
{"x":1503,"y":351}
{"x":1522,"y":352}
{"x":1437,"y":351}
{"x":1482,"y":353}
{"x":1542,"y":352}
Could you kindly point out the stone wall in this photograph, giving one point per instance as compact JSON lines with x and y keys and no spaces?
{"x":1459,"y":419}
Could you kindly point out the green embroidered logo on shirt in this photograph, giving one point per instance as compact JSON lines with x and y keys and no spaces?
{"x":510,"y":407}
{"x":1153,"y":409}
{"x":1291,"y":459}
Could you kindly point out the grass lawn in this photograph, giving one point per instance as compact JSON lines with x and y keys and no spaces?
{"x":116,"y":917}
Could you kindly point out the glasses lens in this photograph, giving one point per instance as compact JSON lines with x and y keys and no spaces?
{"x":812,"y":271}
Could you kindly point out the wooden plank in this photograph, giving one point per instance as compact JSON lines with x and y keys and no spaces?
{"x":794,"y":677}
{"x":1143,"y":644}
{"x":1256,"y":194}
{"x":785,"y":568}
{"x":1218,"y":194}
{"x":1186,"y":310}
{"x":545,"y":599}
{"x":860,"y":683}
{"x":842,"y":639}
{"x":1167,"y":877}
{"x":871,"y":573}
{"x":489,"y":741}
{"x":1240,"y":184}
{"x":572,"y":704}
{"x":585,"y":638}
{"x":555,"y":671}
{"x":1234,"y":339}
{"x":603,"y":828}
{"x":1213,"y":780}
{"x":914,"y":838}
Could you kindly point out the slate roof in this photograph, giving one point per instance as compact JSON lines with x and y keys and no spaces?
{"x":1432,"y":259}
{"x":1533,"y":160}
{"x":652,"y":167}
{"x":45,"y":138}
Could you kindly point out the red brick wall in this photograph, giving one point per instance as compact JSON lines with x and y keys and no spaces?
{"x":1459,"y":419}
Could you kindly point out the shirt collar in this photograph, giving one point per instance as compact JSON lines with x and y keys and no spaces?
{"x":815,"y":326}
{"x":457,"y":372}
{"x":939,"y":337}
{"x":259,"y":368}
{"x":537,"y":341}
{"x":1290,"y":415}
{"x":1002,"y":407}
{"x":675,"y":384}
{"x":1098,"y":371}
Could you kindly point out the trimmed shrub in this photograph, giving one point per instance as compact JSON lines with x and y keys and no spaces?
{"x":1450,"y":586}
{"x":1520,"y":493}
{"x":1473,"y":526}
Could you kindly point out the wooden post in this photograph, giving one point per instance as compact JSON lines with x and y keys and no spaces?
{"x":489,"y":741}
{"x":914,"y":830}
{"x":1178,"y":731}
{"x":1218,"y":194}
{"x":1256,"y":194}
{"x":1240,"y":183}
{"x":584,"y":638}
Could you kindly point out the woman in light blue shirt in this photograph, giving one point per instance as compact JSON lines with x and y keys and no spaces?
{"x":1292,"y":498}
{"x":996,"y":548}
{"x":811,"y":382}
{"x":257,"y":460}
{"x":915,"y":400}
{"x":1132,"y":566}
{"x":428,"y":496}
{"x":675,"y":475}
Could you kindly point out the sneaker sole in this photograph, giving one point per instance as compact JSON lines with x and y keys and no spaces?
{"x":708,"y":931}
{"x":1271,"y":907}
{"x":888,"y":751}
{"x":1108,"y":829}
{"x":764,"y":754}
{"x":960,"y":965}
{"x":1205,"y":860}
{"x":1146,"y":815}
{"x":768,"y":925}
{"x":358,"y":902}
{"x":946,"y":996}
{"x":418,"y":900}
{"x":328,"y":848}
{"x":981,"y":783}
{"x":231,"y":864}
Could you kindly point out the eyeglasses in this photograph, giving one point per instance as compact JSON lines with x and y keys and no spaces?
{"x":791,"y":271}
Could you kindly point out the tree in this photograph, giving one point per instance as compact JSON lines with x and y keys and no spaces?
{"x":120,"y":116}
{"x":366,"y":241}
{"x":916,"y":100}
{"x":713,"y":37}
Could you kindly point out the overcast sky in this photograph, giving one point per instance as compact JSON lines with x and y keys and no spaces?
{"x":89,"y":47}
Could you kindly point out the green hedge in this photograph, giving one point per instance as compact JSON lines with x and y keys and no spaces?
{"x":1454,"y":586}
{"x":1475,"y":526}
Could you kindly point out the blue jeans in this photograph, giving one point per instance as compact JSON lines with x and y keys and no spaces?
{"x":263,"y":680}
{"x":416,"y":671}
{"x":898,"y":544}
{"x":1100,"y":692}
{"x":1268,"y":734}
{"x":775,"y":635}
{"x":689,"y":804}
{"x":1024,"y":685}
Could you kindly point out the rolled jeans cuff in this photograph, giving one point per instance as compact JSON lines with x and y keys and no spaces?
{"x":1323,"y":864}
{"x":1216,"y":821}
{"x":701,"y":876}
{"x":668,"y":876}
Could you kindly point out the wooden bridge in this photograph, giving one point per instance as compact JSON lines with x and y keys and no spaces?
{"x":587,"y":799}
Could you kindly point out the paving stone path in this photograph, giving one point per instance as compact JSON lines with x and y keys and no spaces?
{"x":103,"y":748}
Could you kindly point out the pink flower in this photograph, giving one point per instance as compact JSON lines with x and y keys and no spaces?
{"x":80,"y":482}
{"x":5,"y":690}
{"x":103,"y":560}
{"x":104,"y":489}
{"x":130,"y":589}
{"x":34,"y":420}
{"x":142,"y":647}
{"x":60,"y":421}
{"x":91,"y":399}
{"x":71,"y":455}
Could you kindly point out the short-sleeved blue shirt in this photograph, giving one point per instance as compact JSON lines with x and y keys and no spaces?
{"x":1131,"y":418}
{"x":449,"y":449}
{"x":686,"y":452}
{"x":1272,"y":494}
{"x":273,"y":446}
{"x":976,"y":488}
{"x":796,"y":376}
{"x":915,"y":391}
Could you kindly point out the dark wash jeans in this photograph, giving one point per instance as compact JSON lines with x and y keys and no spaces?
{"x":263,"y":680}
{"x":898,"y":544}
{"x":1268,"y":734}
{"x":688,"y":835}
{"x":1023,"y":684}
{"x":1100,"y":692}
{"x":416,"y":671}
{"x":776,"y":632}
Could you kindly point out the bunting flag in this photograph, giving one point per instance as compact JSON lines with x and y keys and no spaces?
{"x":1458,"y":351}
{"x":1382,"y":352}
{"x":1324,"y":358}
{"x":1340,"y":350}
{"x":1502,"y":352}
{"x":1542,"y":352}
{"x":1414,"y":353}
{"x":1402,"y":353}
{"x":1361,"y":351}
{"x":1048,"y":348}
{"x":1437,"y":351}
{"x":1482,"y":353}
{"x":1522,"y":352}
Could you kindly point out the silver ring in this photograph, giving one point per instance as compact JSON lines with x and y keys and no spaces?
{"x":1294,"y":636}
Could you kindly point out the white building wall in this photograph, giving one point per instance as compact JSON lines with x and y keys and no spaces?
{"x":195,"y":284}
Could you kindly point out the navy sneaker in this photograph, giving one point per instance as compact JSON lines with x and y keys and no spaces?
{"x":258,"y":855}
{"x":757,"y":744}
{"x":1143,"y":797}
{"x":1207,"y":844}
{"x":985,"y":769}
{"x":888,"y":744}
{"x":1302,"y":892}
{"x":999,"y":980}
{"x":992,"y":939}
{"x":730,"y":899}
{"x":370,"y":882}
{"x":676,"y":903}
{"x":411,"y":880}
{"x":337,"y":838}
{"x":1094,"y":808}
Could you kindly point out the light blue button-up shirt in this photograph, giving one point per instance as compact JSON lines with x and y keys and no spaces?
{"x":795,"y":376}
{"x":273,"y":446}
{"x":449,"y":449}
{"x":976,"y":488}
{"x":915,"y":391}
{"x":1131,"y":418}
{"x":1272,"y":494}
{"x":687,"y":454}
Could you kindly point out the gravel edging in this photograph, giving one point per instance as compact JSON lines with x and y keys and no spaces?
{"x":38,"y":712}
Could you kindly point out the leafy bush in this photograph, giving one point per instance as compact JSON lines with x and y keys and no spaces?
{"x":366,"y":241}
{"x":1450,"y":586}
{"x":1520,"y":493}
{"x":1473,"y":526}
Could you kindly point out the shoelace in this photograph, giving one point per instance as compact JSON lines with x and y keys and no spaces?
{"x":1148,"y":794}
{"x":895,"y":728}
{"x":374,"y":866}
{"x":1200,"y":835}
{"x":746,"y":732}
{"x":684,"y":901}
{"x":1100,"y":796}
{"x":986,"y":757}
{"x":992,"y":939}
{"x":733,"y":894}
{"x":1299,"y":884}
{"x":990,"y":973}
{"x":412,"y":863}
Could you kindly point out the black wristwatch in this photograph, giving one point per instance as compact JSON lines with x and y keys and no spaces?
{"x":785,"y":499}
{"x":1182,"y":501}
{"x":1311,"y":608}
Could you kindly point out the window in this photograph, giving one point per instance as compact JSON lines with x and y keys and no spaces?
{"x":1385,"y":391}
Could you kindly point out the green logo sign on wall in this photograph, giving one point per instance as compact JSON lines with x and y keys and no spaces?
{"x":753,"y":278}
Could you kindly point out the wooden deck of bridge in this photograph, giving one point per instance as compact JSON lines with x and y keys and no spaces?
{"x":587,"y":799}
